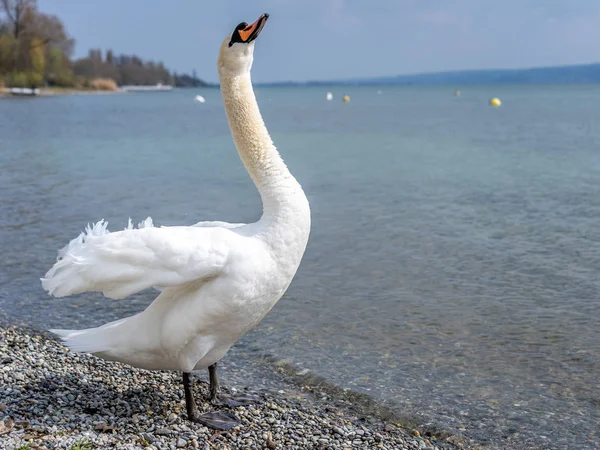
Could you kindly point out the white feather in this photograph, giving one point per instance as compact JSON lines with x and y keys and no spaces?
{"x":125,"y":262}
{"x":216,"y":223}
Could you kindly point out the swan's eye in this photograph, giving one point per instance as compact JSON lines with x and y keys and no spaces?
{"x":235,"y":37}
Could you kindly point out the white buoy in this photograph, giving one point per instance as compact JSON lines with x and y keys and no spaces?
{"x":200,"y":99}
{"x":329,"y":96}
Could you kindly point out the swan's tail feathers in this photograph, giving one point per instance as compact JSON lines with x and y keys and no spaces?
{"x":83,"y":341}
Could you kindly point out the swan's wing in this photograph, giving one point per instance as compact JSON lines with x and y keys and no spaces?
{"x":216,"y":223}
{"x":211,"y":223}
{"x":125,"y":262}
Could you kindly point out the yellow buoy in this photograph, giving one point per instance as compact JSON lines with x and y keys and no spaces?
{"x":495,"y":102}
{"x":346,"y":98}
{"x":457,"y":93}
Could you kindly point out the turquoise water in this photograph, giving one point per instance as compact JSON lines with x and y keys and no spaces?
{"x":452,"y":270}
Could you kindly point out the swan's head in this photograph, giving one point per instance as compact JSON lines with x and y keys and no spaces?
{"x":235,"y":56}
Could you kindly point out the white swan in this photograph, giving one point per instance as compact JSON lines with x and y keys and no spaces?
{"x":217,"y":280}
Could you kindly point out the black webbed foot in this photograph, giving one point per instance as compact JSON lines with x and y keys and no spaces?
{"x":235,"y":400}
{"x":232,"y":400}
{"x":218,"y":420}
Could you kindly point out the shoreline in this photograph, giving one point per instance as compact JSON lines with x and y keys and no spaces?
{"x":48,"y":92}
{"x":51,"y":92}
{"x":55,"y":399}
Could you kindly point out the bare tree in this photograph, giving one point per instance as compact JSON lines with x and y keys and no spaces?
{"x":51,"y":30}
{"x":16,"y":12}
{"x":39,"y":47}
{"x":24,"y":21}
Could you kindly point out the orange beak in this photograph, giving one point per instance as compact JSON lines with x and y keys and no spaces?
{"x":252,"y":31}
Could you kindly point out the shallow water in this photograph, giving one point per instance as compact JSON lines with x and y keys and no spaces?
{"x":452,"y":267}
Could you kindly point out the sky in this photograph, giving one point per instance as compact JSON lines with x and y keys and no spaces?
{"x":341,"y":39}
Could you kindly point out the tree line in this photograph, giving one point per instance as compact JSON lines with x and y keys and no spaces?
{"x":36,"y":50}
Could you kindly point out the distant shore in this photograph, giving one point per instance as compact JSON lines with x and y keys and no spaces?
{"x":56,"y":399}
{"x":74,"y":91}
{"x":52,"y":91}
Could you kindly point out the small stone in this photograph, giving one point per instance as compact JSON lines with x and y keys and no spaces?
{"x":103,"y":427}
{"x":181,"y":443}
{"x":389,"y":427}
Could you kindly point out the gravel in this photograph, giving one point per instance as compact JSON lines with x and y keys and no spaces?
{"x":51,"y":398}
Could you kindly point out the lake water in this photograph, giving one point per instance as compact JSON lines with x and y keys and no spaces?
{"x":452,"y":270}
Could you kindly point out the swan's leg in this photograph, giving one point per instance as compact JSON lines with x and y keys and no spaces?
{"x":219,"y":420}
{"x":214,"y":382}
{"x":226,"y":399}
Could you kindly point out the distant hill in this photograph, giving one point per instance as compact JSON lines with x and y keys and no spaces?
{"x":584,"y":73}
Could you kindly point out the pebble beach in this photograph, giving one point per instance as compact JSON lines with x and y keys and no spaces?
{"x":51,"y":398}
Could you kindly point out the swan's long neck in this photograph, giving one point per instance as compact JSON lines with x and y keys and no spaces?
{"x":280,"y":192}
